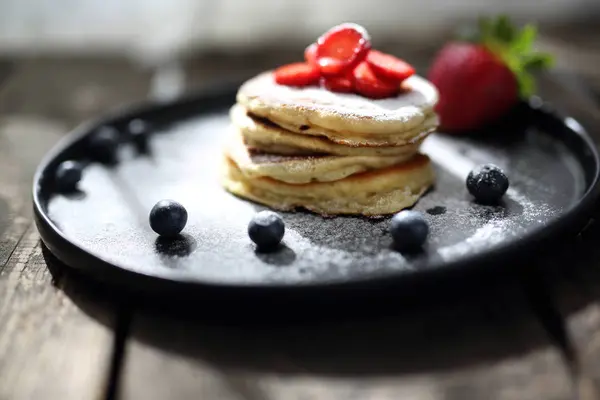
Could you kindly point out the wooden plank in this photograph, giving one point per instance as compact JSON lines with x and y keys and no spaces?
{"x":487,"y":346}
{"x":579,"y":300}
{"x":50,"y":347}
{"x":23,"y":141}
{"x":6,"y":68}
{"x":584,"y":325}
{"x":53,"y":343}
{"x":79,"y":89}
{"x":13,"y":216}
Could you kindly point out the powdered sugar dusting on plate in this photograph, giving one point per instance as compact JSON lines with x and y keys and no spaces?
{"x":111,"y":219}
{"x":499,"y":227}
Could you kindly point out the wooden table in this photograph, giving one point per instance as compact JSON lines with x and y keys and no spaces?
{"x":62,"y":337}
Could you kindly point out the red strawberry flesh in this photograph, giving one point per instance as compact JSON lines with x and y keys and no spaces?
{"x":475,"y":86}
{"x":341,"y":48}
{"x":340,"y":84}
{"x":310,"y":54}
{"x":389,"y":67}
{"x":297,"y":74}
{"x":368,"y":84}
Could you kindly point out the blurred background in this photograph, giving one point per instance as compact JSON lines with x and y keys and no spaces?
{"x":72,"y":59}
{"x":160,"y":28}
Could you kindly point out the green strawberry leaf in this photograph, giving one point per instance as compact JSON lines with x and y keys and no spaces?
{"x":526,"y":84}
{"x":524,"y":41}
{"x":503,"y":30}
{"x":515,"y":48}
{"x":537,"y":62}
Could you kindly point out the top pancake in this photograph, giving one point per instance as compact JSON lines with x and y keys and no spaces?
{"x":318,"y":111}
{"x":263,"y":135}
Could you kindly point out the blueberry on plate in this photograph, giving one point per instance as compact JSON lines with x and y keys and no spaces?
{"x":139,"y":130}
{"x":67,"y":175}
{"x":266,"y":229}
{"x":487,"y":183}
{"x":409,"y":230}
{"x":104,"y":143}
{"x":168,"y":218}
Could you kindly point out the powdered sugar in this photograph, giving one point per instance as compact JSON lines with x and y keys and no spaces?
{"x":111,"y":219}
{"x":419,"y":97}
{"x":500,"y":227}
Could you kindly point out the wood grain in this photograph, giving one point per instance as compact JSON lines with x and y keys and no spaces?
{"x":51,"y":345}
{"x":488,"y":346}
{"x":71,"y":90}
{"x":578,"y":295}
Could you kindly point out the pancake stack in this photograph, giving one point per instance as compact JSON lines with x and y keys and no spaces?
{"x":331,"y":153}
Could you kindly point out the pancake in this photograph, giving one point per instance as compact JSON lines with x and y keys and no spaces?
{"x":352,"y":140}
{"x":262,"y":134}
{"x":379,"y":192}
{"x":315,"y":167}
{"x":345,"y":118}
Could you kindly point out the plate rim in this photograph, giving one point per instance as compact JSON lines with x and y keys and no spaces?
{"x":574,"y":217}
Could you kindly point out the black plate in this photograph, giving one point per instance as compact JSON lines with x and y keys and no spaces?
{"x":552,"y":163}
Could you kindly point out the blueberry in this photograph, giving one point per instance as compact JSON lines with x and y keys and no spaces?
{"x":68,"y":174}
{"x":138,"y":127}
{"x":409,"y":230}
{"x":168,"y":218}
{"x":139,"y":130}
{"x":104,"y":143}
{"x":266,"y":229}
{"x":487,"y":183}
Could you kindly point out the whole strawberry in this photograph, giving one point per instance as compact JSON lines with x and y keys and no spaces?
{"x":481,"y":79}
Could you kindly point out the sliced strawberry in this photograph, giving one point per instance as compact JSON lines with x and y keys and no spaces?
{"x":333,"y":67}
{"x":341,"y":48}
{"x":310,"y":54}
{"x":340,"y":84}
{"x":389,"y":67}
{"x":368,"y":84}
{"x":297,"y":74}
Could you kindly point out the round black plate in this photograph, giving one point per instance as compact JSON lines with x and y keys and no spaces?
{"x":103,"y":229}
